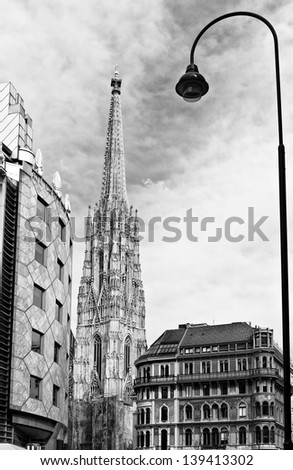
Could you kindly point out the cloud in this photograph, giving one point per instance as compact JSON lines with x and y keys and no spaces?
{"x":218,"y":157}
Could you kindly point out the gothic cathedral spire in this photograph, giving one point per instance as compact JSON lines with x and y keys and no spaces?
{"x":114,"y":181}
{"x":110,"y":332}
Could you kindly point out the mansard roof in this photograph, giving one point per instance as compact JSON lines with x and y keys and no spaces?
{"x":189,"y":336}
{"x":211,"y":334}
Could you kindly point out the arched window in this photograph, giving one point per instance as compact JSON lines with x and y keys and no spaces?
{"x":188,"y":437}
{"x":148,"y":416}
{"x":224,"y":410}
{"x":206,"y":367}
{"x":265,"y":408}
{"x":142,"y":416}
{"x":242,"y":410}
{"x":242,"y":435}
{"x":206,"y":437}
{"x":142,"y":440}
{"x":272,"y":408}
{"x":147,"y":439}
{"x":188,"y":412}
{"x":215,"y":411}
{"x":264,"y":362}
{"x":272,"y":437}
{"x":257,"y":435}
{"x":167,"y":371}
{"x":257,"y":409}
{"x":162,"y":371}
{"x":98,"y":355}
{"x":164,"y":439}
{"x":244,"y":364}
{"x":127,"y":359}
{"x":206,"y":411}
{"x":147,"y":393}
{"x":148,"y":373}
{"x":257,"y":362}
{"x":215,"y":437}
{"x":265,"y":435}
{"x":224,"y":436}
{"x":191,"y":368}
{"x":164,"y":413}
{"x":138,"y":440}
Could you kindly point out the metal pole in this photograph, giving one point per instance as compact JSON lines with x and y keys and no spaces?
{"x":283,"y":221}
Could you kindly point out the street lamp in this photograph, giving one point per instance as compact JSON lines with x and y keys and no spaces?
{"x":192,"y":86}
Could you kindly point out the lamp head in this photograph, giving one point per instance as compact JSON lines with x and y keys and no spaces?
{"x":192,"y":85}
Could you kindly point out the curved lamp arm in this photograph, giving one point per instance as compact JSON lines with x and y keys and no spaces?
{"x":276,"y":47}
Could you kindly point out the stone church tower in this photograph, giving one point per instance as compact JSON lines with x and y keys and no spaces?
{"x":111,"y":308}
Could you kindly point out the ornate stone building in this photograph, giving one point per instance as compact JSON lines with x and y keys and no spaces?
{"x":35,"y":288}
{"x":111,"y":307}
{"x":210,"y":387}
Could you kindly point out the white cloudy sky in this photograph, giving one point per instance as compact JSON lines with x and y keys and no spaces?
{"x":218,"y":156}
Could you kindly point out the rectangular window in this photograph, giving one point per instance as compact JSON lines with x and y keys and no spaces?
{"x":223,"y":347}
{"x":164,"y":391}
{"x":56,"y":391}
{"x":37,"y":341}
{"x":206,"y":349}
{"x":42,"y":209}
{"x":58,"y":311}
{"x":60,"y":270}
{"x":206,"y":389}
{"x":62,"y":230}
{"x":40,"y":252}
{"x":224,"y":388}
{"x":242,"y":386}
{"x":39,"y":296}
{"x":188,"y":350}
{"x":57,"y":348}
{"x":35,"y":387}
{"x":188,"y":390}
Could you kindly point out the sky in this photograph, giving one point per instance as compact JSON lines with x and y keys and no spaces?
{"x":216,"y":158}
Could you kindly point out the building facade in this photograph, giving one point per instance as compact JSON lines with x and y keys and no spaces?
{"x":110,"y":332}
{"x":210,"y":387}
{"x":35,"y":288}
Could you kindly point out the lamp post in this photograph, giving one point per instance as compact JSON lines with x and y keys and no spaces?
{"x":192,"y":86}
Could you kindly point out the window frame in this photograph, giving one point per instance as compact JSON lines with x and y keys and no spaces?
{"x":57,"y":349}
{"x":40,"y":348}
{"x":40,"y":256}
{"x":39,"y":381}
{"x":56,"y":396}
{"x":38,"y":289}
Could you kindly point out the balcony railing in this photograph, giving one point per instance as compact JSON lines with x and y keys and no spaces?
{"x":239,"y":374}
{"x":206,"y":377}
{"x":155,"y":379}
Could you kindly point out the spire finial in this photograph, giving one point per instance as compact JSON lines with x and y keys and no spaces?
{"x":116,"y":81}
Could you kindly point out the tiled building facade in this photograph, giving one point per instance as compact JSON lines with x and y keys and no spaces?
{"x":38,"y":312}
{"x":208,"y":387}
